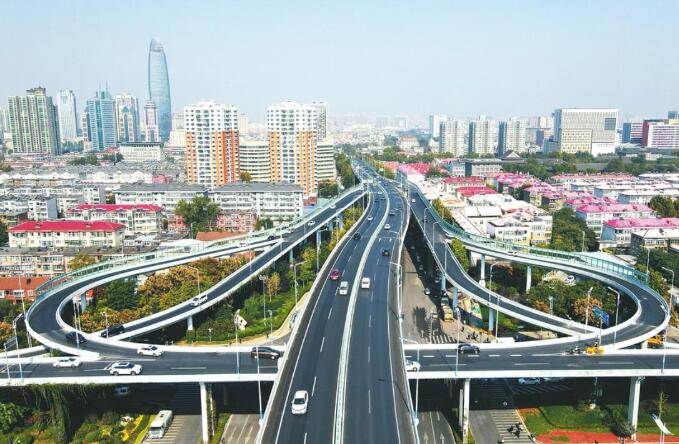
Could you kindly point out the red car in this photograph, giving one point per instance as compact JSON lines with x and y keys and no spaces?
{"x":335,"y":274}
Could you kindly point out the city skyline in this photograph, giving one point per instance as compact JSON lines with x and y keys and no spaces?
{"x":562,"y":56}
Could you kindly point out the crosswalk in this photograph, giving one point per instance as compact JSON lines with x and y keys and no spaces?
{"x":505,"y":417}
{"x":538,"y":389}
{"x":183,"y":403}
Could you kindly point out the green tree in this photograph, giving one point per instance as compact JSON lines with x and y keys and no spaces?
{"x":115,"y":157}
{"x":88,"y":159}
{"x":346,"y":173}
{"x":11,"y":416}
{"x":273,"y":284}
{"x":665,"y":206}
{"x":80,"y":261}
{"x":460,"y":253}
{"x":198,"y":213}
{"x":119,"y":295}
{"x":263,"y":224}
{"x":328,"y":188}
{"x":567,"y":232}
{"x":615,"y":165}
{"x":245,"y":177}
{"x":434,"y":172}
{"x":4,"y":237}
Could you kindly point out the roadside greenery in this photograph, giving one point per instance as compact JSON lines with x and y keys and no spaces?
{"x":328,"y":188}
{"x":639,"y":165}
{"x":460,"y":253}
{"x":81,"y":261}
{"x":4,"y":237}
{"x":567,"y":232}
{"x":665,"y":206}
{"x":442,"y":210}
{"x":87,"y":159}
{"x":198,"y":213}
{"x":346,"y":173}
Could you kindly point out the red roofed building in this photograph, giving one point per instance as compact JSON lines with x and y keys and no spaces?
{"x":619,"y":231}
{"x":66,"y":233}
{"x":473,"y":191}
{"x":138,"y":218}
{"x":596,"y":215}
{"x":15,"y":288}
{"x":453,"y":183}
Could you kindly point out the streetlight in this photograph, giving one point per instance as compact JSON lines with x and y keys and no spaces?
{"x":671,"y":287}
{"x":264,"y":278}
{"x":551,"y":305}
{"x":294,"y":274}
{"x":23,"y":307}
{"x":209,"y":332}
{"x":106,"y":320}
{"x":589,"y":294}
{"x":417,"y":381}
{"x":75,"y":322}
{"x":490,"y":285}
{"x":237,"y":325}
{"x":617,"y":304}
{"x":16,"y":336}
{"x":271,"y":323}
{"x":664,"y":345}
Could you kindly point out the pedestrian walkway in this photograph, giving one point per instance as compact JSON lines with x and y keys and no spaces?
{"x":538,"y":389}
{"x":185,"y":428}
{"x":494,"y":418}
{"x":241,"y":429}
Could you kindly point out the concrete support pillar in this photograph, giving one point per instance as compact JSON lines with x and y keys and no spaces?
{"x":482,"y":281}
{"x":464,"y":410}
{"x":318,"y":239}
{"x":83,"y":302}
{"x":291,"y":257}
{"x":633,"y":406}
{"x":189,"y":323}
{"x":491,"y":319}
{"x":528,"y":278}
{"x":443,"y":283}
{"x":455,"y":297}
{"x":340,"y":217}
{"x":204,"y":412}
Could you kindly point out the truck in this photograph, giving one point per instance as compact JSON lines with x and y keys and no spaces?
{"x":160,"y":424}
{"x":447,"y":312}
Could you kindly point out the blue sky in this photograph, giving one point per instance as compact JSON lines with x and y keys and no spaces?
{"x":464,"y":58}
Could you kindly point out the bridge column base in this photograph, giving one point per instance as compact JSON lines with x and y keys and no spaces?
{"x":207,"y":412}
{"x":455,"y":298}
{"x":189,"y":323}
{"x":528,"y":278}
{"x":482,"y":269}
{"x":633,"y":406}
{"x":463,"y":412}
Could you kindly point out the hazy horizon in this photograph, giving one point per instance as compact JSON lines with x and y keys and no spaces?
{"x":383,"y":58}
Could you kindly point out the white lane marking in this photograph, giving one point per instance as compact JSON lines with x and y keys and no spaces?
{"x":322,"y":343}
{"x":368,"y":353}
{"x":409,"y":356}
{"x":189,"y":368}
{"x":330,"y":313}
{"x":370,"y":321}
{"x":313,"y":387}
{"x":369,"y":407}
{"x":427,"y":356}
{"x":543,"y":354}
{"x":475,"y":356}
{"x":514,"y":355}
{"x":493,"y":356}
{"x":616,"y":363}
{"x":532,"y":363}
{"x":445,"y":365}
{"x":95,"y":370}
{"x":305,"y":437}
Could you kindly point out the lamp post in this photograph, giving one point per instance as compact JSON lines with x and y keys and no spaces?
{"x":271,"y":323}
{"x":671,"y":286}
{"x":551,"y":305}
{"x":664,"y":342}
{"x":23,"y":307}
{"x":264,"y":278}
{"x":209,"y":332}
{"x":106,"y":320}
{"x":490,"y":285}
{"x":417,"y":381}
{"x":294,"y":274}
{"x":75,"y":323}
{"x":617,"y":304}
{"x":236,"y":324}
{"x":14,"y":325}
{"x":583,"y":240}
{"x":589,"y":294}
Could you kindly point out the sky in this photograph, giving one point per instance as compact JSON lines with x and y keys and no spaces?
{"x":462,"y":58}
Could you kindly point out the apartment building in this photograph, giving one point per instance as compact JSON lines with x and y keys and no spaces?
{"x":596,"y":215}
{"x":618,"y":232}
{"x":254,"y":159}
{"x":20,"y":288}
{"x":138,"y":219}
{"x":164,"y":195}
{"x":276,"y":201}
{"x":589,"y":130}
{"x":66,"y":233}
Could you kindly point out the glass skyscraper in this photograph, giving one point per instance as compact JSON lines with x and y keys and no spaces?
{"x":159,"y":88}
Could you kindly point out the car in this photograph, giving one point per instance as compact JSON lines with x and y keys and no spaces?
{"x":335,"y":274}
{"x":300,"y":402}
{"x":370,"y":218}
{"x":198,"y":300}
{"x":412,"y":200}
{"x":554,"y":379}
{"x":412,"y":366}
{"x":125,"y":368}
{"x":344,"y":288}
{"x":437,"y":280}
{"x":420,"y":267}
{"x":150,"y":350}
{"x":386,"y":252}
{"x":333,"y":206}
{"x":392,"y":213}
{"x":112,"y":330}
{"x":427,"y":291}
{"x":450,"y":235}
{"x":265,"y":352}
{"x":387,"y":227}
{"x":311,"y":223}
{"x":75,"y":337}
{"x":528,"y":381}
{"x":357,"y":236}
{"x":69,"y":362}
{"x":468,"y":349}
{"x":365,"y":283}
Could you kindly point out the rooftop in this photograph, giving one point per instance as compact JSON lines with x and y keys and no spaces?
{"x":110,"y":208}
{"x":66,"y":225}
{"x":614,"y":208}
{"x":159,"y":187}
{"x":667,"y":222}
{"x":258,"y":187}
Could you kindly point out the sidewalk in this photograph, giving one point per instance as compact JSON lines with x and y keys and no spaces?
{"x":560,"y":436}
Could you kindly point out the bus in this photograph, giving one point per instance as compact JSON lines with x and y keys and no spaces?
{"x":160,"y":424}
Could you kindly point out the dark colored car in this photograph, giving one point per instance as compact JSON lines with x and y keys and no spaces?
{"x":75,"y":337}
{"x":335,"y":274}
{"x":391,"y":213}
{"x":264,"y":352}
{"x":272,"y":237}
{"x":357,"y":236}
{"x":385,"y":252}
{"x":112,"y":330}
{"x":468,"y":349}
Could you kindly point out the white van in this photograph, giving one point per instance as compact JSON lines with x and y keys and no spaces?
{"x":160,"y":424}
{"x":344,"y":288}
{"x":365,"y":283}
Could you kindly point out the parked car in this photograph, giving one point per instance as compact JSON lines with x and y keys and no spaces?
{"x":468,"y":349}
{"x":335,"y":274}
{"x":75,"y":337}
{"x":528,"y":381}
{"x":69,"y":362}
{"x":150,"y":350}
{"x":198,"y":300}
{"x":125,"y":368}
{"x":264,"y":352}
{"x":412,"y":366}
{"x":112,"y":330}
{"x":300,"y":402}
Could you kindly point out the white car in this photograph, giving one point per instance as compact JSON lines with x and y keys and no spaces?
{"x":150,"y":350}
{"x":197,"y":300}
{"x":427,"y":291}
{"x":125,"y":368}
{"x":529,"y":381}
{"x":311,"y":223}
{"x":300,"y":402}
{"x":412,"y":200}
{"x":387,"y":227}
{"x":412,"y":366}
{"x":67,"y":363}
{"x":365,"y":283}
{"x":333,"y":206}
{"x":370,"y":218}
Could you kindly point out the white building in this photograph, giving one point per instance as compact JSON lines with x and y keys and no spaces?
{"x":151,"y":133}
{"x":141,"y":152}
{"x":512,"y":137}
{"x":435,"y":121}
{"x":68,"y":116}
{"x":127,"y":118}
{"x":452,"y":134}
{"x":663,"y":134}
{"x":587,"y":130}
{"x":596,"y":215}
{"x":276,"y":201}
{"x":481,"y":137}
{"x":325,"y":161}
{"x":166,"y":196}
{"x":66,"y":233}
{"x":321,"y":109}
{"x":138,"y":219}
{"x":254,"y":158}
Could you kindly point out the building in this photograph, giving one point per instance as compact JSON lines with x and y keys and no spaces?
{"x":212,"y":144}
{"x":141,"y":152}
{"x":660,"y":134}
{"x":165,"y":195}
{"x":177,"y":121}
{"x":20,"y":288}
{"x":673,"y":114}
{"x":586,"y":130}
{"x":254,"y":158}
{"x":511,"y":137}
{"x":321,"y":109}
{"x":101,"y":117}
{"x":452,"y":135}
{"x":325,"y":161}
{"x":66,"y":233}
{"x":4,"y":122}
{"x":596,"y":215}
{"x":291,"y":131}
{"x":33,"y":123}
{"x":481,"y":137}
{"x":618,"y":232}
{"x":144,"y":219}
{"x":276,"y":201}
{"x":435,"y":121}
{"x":151,"y":122}
{"x":664,"y":239}
{"x":127,"y":118}
{"x":482,"y":167}
{"x":84,"y":118}
{"x":632,"y":132}
{"x":159,"y":87}
{"x":67,"y":116}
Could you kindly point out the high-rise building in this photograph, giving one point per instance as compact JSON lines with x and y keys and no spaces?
{"x":101,"y":117}
{"x":85,"y":125}
{"x":159,"y":87}
{"x":587,"y":130}
{"x":68,"y":116}
{"x":127,"y":118}
{"x":212,"y":144}
{"x":452,"y":133}
{"x":435,"y":121}
{"x":631,"y":132}
{"x":292,"y":145}
{"x":511,"y":137}
{"x":151,"y":122}
{"x":673,"y":114}
{"x":321,"y":109}
{"x":177,"y":121}
{"x":660,"y":133}
{"x":254,"y":158}
{"x":4,"y":120}
{"x":33,"y":123}
{"x":325,"y":161}
{"x":243,"y":123}
{"x":481,"y":137}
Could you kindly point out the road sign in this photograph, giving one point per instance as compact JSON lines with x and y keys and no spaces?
{"x":600,"y":314}
{"x":11,"y":343}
